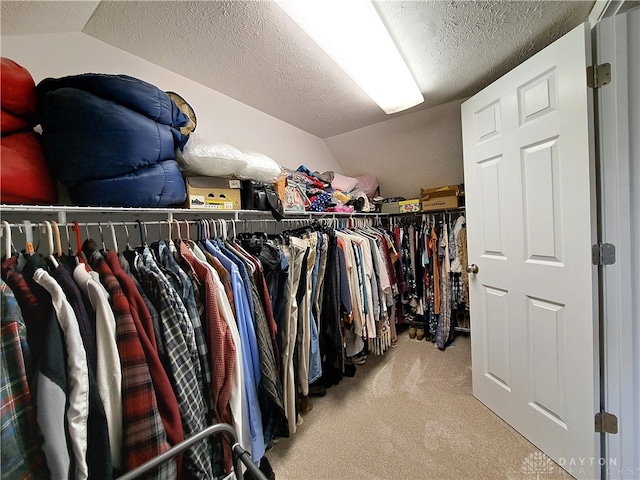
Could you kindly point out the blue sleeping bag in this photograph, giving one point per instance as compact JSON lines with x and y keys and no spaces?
{"x":112,"y":139}
{"x":162,"y":185}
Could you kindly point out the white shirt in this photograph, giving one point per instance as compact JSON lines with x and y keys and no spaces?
{"x":109,"y":372}
{"x":77,"y":371}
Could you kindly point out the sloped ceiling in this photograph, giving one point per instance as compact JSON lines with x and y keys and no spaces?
{"x":251,"y":51}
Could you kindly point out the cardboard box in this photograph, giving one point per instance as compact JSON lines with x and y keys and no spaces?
{"x":410,"y":206}
{"x":213,"y":193}
{"x":390,"y":207}
{"x":441,"y":198}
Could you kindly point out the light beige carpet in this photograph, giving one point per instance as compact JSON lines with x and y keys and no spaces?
{"x":409,"y":414}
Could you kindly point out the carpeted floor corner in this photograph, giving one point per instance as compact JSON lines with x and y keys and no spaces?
{"x":409,"y":414}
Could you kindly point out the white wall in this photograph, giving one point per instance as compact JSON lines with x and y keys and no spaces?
{"x":219,"y":117}
{"x":406,"y":153}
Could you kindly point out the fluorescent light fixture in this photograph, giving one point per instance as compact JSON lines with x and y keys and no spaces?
{"x":353,"y":34}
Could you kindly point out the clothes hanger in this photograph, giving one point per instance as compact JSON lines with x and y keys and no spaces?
{"x":143,"y":233}
{"x":205,"y":229}
{"x":129,"y":253}
{"x":170,"y":243}
{"x":69,"y":248}
{"x":76,"y":230}
{"x":113,"y":237}
{"x":79,"y":255}
{"x":126,"y":230}
{"x":200,"y":232}
{"x":56,"y":232}
{"x":178,"y":233}
{"x":224,"y":229}
{"x":28,"y":235}
{"x":7,"y":239}
{"x":51,"y":257}
{"x":215,"y":228}
{"x":187,"y":234}
{"x":104,"y":247}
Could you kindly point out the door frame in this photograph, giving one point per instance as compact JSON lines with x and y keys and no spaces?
{"x":619,"y":224}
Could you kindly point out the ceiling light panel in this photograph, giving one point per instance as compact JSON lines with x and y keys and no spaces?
{"x":353,"y":34}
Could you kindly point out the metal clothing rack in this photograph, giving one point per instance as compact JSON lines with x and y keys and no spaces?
{"x":241,"y":455}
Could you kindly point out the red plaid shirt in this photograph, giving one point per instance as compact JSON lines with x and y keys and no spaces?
{"x":223,"y":352}
{"x":144,"y":436}
{"x":167,"y":403}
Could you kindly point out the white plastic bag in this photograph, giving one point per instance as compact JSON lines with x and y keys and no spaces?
{"x":210,"y":159}
{"x":259,"y":168}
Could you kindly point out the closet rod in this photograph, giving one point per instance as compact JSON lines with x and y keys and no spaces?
{"x":241,"y":221}
{"x":63,"y":210}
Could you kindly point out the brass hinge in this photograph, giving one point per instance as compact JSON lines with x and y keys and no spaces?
{"x":599,"y":75}
{"x":603,"y":254}
{"x":606,"y":422}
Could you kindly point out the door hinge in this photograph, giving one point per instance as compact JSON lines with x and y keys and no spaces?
{"x":606,"y":422}
{"x":603,"y":254}
{"x":599,"y":75}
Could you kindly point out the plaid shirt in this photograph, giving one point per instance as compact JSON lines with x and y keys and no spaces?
{"x":22,"y":456}
{"x":167,"y":403}
{"x":36,"y":310}
{"x":143,"y":432}
{"x":221,"y":345}
{"x":183,"y":362}
{"x":183,"y":285}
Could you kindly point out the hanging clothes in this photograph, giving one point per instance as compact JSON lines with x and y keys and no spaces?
{"x":163,"y":340}
{"x":432,"y":283}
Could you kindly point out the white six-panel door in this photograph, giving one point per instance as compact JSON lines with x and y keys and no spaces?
{"x":529,"y":186}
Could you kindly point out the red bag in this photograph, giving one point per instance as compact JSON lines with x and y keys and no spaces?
{"x":25,"y":175}
{"x":18,"y":100}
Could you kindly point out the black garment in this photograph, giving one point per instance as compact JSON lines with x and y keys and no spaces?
{"x":86,"y":317}
{"x":35,"y":305}
{"x":330,"y":334}
{"x":98,"y":449}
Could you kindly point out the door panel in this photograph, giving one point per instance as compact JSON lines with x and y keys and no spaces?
{"x":528,"y":162}
{"x":498,"y":368}
{"x":489,"y":174}
{"x":541,"y":207}
{"x":546,"y":363}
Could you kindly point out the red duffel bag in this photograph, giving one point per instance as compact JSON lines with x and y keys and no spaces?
{"x":18,"y":100}
{"x":25,"y":177}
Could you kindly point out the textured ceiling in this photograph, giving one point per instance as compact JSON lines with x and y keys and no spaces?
{"x":252,"y":52}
